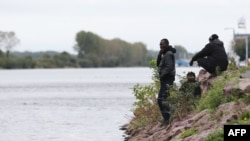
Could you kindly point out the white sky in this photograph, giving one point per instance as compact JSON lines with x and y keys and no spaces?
{"x":52,"y":24}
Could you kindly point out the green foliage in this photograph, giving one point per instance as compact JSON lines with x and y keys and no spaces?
{"x":93,"y":51}
{"x":214,"y":97}
{"x":188,"y":132}
{"x":84,"y":63}
{"x":245,"y":115}
{"x":182,"y":100}
{"x":244,"y":69}
{"x":246,"y":98}
{"x":47,"y":59}
{"x":8,"y":63}
{"x":26,"y":62}
{"x":87,"y":42}
{"x":243,"y":119}
{"x":239,"y":47}
{"x":141,"y":121}
{"x":64,"y":60}
{"x":33,"y":55}
{"x":155,"y":76}
{"x":146,"y":109}
{"x":145,"y":94}
{"x":45,"y":63}
{"x":216,"y":136}
{"x":232,"y":65}
{"x":110,"y":53}
{"x":211,"y":100}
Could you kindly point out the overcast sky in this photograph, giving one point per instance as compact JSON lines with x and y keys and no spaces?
{"x":52,"y":24}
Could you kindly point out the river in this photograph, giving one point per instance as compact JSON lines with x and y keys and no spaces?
{"x":69,"y":104}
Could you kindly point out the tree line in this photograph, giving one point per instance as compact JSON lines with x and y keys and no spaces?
{"x":95,"y":51}
{"x":92,"y":51}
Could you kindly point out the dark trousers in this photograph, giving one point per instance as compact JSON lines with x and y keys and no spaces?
{"x":162,"y":99}
{"x":210,"y":66}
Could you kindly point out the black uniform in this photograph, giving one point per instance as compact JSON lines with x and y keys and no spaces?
{"x":166,"y":68}
{"x":213,"y":55}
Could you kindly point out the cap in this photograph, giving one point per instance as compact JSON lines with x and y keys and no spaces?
{"x":213,"y":37}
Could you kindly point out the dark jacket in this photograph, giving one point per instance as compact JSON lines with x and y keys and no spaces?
{"x":215,"y":53}
{"x":166,"y":64}
{"x":191,"y":88}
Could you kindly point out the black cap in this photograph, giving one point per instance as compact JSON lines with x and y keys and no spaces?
{"x":213,"y":37}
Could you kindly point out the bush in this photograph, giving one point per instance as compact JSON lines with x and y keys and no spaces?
{"x":181,"y":103}
{"x":146,"y":109}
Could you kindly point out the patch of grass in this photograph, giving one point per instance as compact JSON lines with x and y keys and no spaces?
{"x":243,"y":119}
{"x":245,"y":115}
{"x":188,"y":132}
{"x":246,"y":98}
{"x":216,"y":136}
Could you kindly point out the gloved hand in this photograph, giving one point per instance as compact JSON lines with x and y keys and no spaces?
{"x":191,"y":63}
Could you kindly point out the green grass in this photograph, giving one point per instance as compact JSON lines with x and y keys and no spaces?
{"x":188,"y":132}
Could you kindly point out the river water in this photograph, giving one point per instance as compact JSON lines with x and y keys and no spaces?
{"x":69,"y":104}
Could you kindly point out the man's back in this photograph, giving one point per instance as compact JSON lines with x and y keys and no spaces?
{"x":212,"y":56}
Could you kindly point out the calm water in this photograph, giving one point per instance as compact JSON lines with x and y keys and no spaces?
{"x":68,"y":104}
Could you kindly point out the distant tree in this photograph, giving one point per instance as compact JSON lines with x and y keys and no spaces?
{"x":1,"y":54}
{"x":8,"y":40}
{"x":181,"y":52}
{"x":87,"y":43}
{"x":139,"y":53}
{"x":239,"y":47}
{"x":64,"y":59}
{"x":95,"y":51}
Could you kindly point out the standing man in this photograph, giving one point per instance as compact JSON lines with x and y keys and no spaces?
{"x":166,"y":69}
{"x":212,"y":56}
